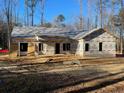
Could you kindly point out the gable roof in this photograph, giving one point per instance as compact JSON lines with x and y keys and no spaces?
{"x":42,"y":31}
{"x":83,"y":35}
{"x":61,"y":32}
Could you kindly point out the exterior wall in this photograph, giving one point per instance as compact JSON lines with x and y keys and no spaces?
{"x":44,"y":51}
{"x":15,"y":46}
{"x":80,"y":47}
{"x":49,"y":47}
{"x":119,"y":46}
{"x":73,"y":46}
{"x":14,"y":49}
{"x":31,"y":49}
{"x":77,"y":47}
{"x":108,"y":46}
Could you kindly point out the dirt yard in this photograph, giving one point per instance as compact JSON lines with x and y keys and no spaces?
{"x":75,"y":76}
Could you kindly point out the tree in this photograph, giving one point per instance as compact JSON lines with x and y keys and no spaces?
{"x":47,"y":25}
{"x":111,"y":17}
{"x":101,"y":13}
{"x":42,"y":11}
{"x":26,"y":13}
{"x":89,"y":2}
{"x":3,"y":32}
{"x":81,"y":17}
{"x":59,"y":20}
{"x":122,"y":3}
{"x":101,"y":9}
{"x":9,"y":7}
{"x":121,"y":13}
{"x":31,"y":5}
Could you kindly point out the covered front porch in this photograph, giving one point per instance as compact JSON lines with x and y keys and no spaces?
{"x":46,"y":46}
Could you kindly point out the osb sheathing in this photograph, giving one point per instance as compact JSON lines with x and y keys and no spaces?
{"x":16,"y":40}
{"x":31,"y":49}
{"x":14,"y":49}
{"x":15,"y":46}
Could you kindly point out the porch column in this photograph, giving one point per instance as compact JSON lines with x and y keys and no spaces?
{"x":36,"y":49}
{"x":19,"y":49}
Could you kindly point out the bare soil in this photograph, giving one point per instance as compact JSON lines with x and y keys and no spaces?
{"x":105,"y":75}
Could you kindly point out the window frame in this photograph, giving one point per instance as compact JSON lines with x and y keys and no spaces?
{"x":66,"y":47}
{"x":100,"y":46}
{"x":23,"y":47}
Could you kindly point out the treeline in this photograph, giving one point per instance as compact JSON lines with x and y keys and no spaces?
{"x":99,"y":13}
{"x":108,"y":14}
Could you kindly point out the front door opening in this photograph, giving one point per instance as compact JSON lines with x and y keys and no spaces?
{"x":57,"y":48}
{"x":23,"y":48}
{"x":40,"y":47}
